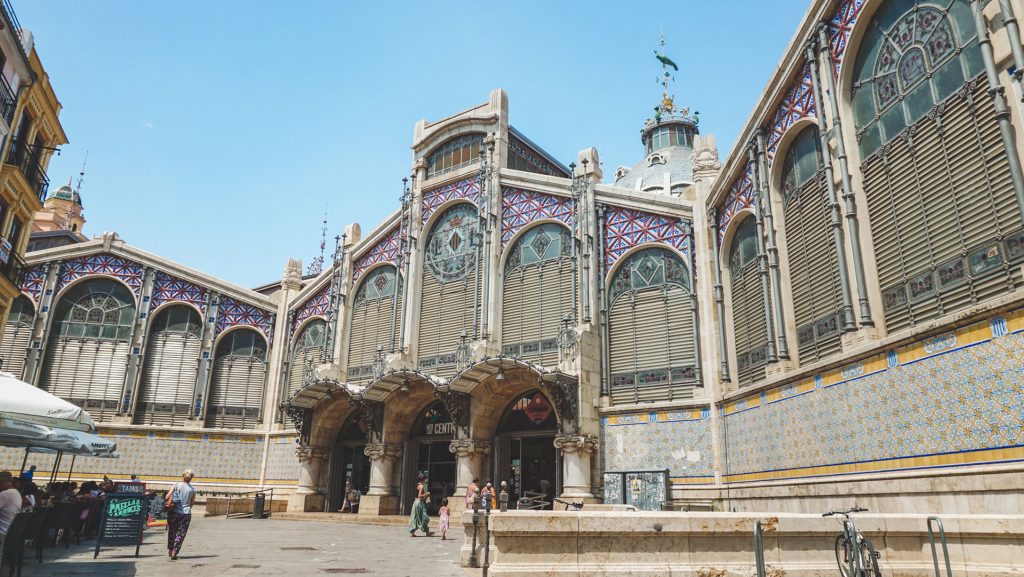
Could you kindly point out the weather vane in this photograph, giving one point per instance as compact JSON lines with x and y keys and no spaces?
{"x":316,"y":266}
{"x":667,"y":105}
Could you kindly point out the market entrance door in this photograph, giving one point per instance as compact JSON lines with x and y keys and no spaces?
{"x":427,"y":453}
{"x":348,"y":463}
{"x":526,"y":457}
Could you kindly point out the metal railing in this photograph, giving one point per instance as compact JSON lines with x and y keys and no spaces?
{"x":13,"y":268}
{"x":945,"y":547}
{"x":22,"y":156}
{"x":8,"y":100}
{"x":9,"y":10}
{"x":268,"y":503}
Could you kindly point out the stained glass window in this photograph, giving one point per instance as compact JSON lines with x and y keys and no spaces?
{"x":913,"y":56}
{"x":242,"y":343}
{"x":451,"y":249}
{"x":457,"y":153}
{"x":312,"y":336}
{"x":178,"y":319}
{"x":378,"y":284}
{"x":801,"y":162}
{"x":97,"y":309}
{"x":649,"y":268}
{"x":744,"y":245}
{"x":541,"y":243}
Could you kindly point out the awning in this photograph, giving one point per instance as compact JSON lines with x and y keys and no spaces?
{"x":15,"y":433}
{"x":22,"y":402}
{"x":489,"y":368}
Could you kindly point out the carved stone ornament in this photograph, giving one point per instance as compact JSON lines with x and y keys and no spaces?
{"x":564,"y":395}
{"x":292,"y":278}
{"x":705,"y":153}
{"x":463,"y":448}
{"x":457,"y":405}
{"x":306,"y":454}
{"x":376,"y":451}
{"x":373,"y":417}
{"x":576,"y":443}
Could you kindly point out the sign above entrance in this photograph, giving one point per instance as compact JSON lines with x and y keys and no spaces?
{"x":538,"y":409}
{"x":434,"y":422}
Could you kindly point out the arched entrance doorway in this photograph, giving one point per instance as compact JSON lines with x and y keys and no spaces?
{"x":427,"y":452}
{"x":348,"y":462}
{"x":525,"y":453}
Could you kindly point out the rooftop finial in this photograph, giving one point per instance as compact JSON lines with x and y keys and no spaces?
{"x":81,"y":173}
{"x":316,"y":266}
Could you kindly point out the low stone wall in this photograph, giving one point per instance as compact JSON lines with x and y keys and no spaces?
{"x":722,"y":544}
{"x":216,"y":506}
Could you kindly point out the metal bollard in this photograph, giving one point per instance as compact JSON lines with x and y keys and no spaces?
{"x":487,"y":538}
{"x":503,"y":497}
{"x":945,"y":548}
{"x":473,"y":561}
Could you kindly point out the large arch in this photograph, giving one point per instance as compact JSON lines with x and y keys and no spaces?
{"x":746,"y":302}
{"x":86,"y":356}
{"x":537,"y":292}
{"x":941,"y":228}
{"x":375,"y":320}
{"x":653,"y":353}
{"x":170,"y":367}
{"x":308,"y":348}
{"x":17,"y":336}
{"x":238,"y":380}
{"x":449,"y":294}
{"x":810,"y":251}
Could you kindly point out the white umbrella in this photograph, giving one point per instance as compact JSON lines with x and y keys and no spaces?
{"x":17,"y":433}
{"x":23,"y":402}
{"x":79,"y":443}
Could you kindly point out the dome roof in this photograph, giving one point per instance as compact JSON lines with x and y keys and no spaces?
{"x":67,"y":193}
{"x":669,"y":162}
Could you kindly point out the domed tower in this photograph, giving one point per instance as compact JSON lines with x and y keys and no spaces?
{"x":668,"y":140}
{"x":62,"y":211}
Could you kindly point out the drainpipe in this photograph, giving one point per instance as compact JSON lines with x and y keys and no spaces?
{"x":852,"y":225}
{"x":760,"y":168}
{"x":723,"y":350}
{"x":762,"y":259}
{"x":849,"y":324}
{"x":999,"y":101}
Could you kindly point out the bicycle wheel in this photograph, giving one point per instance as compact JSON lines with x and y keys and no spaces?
{"x":843,"y":556}
{"x":869,"y":559}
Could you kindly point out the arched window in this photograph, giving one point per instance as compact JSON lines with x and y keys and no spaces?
{"x":170,"y":367}
{"x":309,"y":348}
{"x":450,"y":284}
{"x":816,"y":295}
{"x":940,"y":199}
{"x":371,"y":328}
{"x":913,"y":56}
{"x":748,"y":306}
{"x":239,"y":375}
{"x":650,"y":329}
{"x":538,"y":293}
{"x":17,"y":336}
{"x":457,"y":153}
{"x":87,"y":353}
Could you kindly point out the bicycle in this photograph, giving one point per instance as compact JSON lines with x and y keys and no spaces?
{"x":569,"y":505}
{"x":855,"y":554}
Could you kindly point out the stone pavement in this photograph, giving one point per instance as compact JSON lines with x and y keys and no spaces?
{"x":247,"y":547}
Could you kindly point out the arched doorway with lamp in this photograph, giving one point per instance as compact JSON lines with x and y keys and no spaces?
{"x":525,"y":453}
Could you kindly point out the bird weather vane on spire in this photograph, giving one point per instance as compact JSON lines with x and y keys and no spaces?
{"x":667,"y":105}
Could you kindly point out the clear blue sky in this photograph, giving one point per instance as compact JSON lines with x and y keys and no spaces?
{"x":217,"y":130}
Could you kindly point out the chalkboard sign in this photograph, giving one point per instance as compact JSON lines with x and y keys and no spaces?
{"x":122,"y":521}
{"x":129,"y":488}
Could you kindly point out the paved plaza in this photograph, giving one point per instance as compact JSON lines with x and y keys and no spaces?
{"x":244,"y":547}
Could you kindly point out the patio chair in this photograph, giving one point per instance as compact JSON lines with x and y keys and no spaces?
{"x":60,"y":521}
{"x":13,"y":552}
{"x":36,"y":530}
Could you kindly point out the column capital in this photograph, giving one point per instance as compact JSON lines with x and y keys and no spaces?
{"x":576,"y":443}
{"x":469,"y":448}
{"x":378,"y":451}
{"x":307,"y":454}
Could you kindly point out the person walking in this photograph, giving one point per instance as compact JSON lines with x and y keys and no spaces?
{"x":179,"y":501}
{"x":442,"y":515}
{"x":418,"y":519}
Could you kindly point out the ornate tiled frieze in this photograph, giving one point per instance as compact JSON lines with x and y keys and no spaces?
{"x":468,"y":189}
{"x":796,"y":104}
{"x":167,"y":288}
{"x":949,"y":400}
{"x":627,"y":228}
{"x":32,"y":281}
{"x":520,"y":207}
{"x":740,"y":196}
{"x":315,"y":306}
{"x":388,"y":249}
{"x":102,"y":264}
{"x":231,"y":313}
{"x":677,"y":440}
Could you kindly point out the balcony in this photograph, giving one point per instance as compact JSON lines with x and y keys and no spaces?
{"x":22,"y":156}
{"x":8,"y":100}
{"x":13,"y":268}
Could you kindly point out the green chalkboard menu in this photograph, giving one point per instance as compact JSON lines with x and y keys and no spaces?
{"x":122,"y":521}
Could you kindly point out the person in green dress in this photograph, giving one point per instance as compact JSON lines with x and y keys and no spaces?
{"x":418,"y":519}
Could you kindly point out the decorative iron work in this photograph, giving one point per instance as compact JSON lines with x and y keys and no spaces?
{"x":520,"y":208}
{"x":564,"y":395}
{"x":389,"y":249}
{"x":373,"y":417}
{"x":740,"y":196}
{"x":627,"y":228}
{"x":463,"y":353}
{"x":167,"y":288}
{"x":231,"y":313}
{"x":468,"y":188}
{"x":567,"y":337}
{"x":379,"y":363}
{"x":457,"y":405}
{"x":102,"y":264}
{"x":796,"y":104}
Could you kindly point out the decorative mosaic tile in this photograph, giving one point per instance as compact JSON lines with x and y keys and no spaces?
{"x":316,"y":306}
{"x":167,"y":288}
{"x":520,"y":208}
{"x":645,"y":441}
{"x":389,"y":249}
{"x":282,"y":465}
{"x":740,"y":196}
{"x":796,"y":104}
{"x":840,"y":27}
{"x":432,"y":199}
{"x":102,"y":264}
{"x":231,"y":313}
{"x":626,"y":228}
{"x":32,"y":281}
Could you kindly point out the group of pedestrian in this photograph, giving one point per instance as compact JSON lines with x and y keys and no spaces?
{"x":419,"y":520}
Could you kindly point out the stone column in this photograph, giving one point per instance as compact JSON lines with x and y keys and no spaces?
{"x":381,"y":498}
{"x":576,"y":451}
{"x":469,"y":455}
{"x":307,"y":497}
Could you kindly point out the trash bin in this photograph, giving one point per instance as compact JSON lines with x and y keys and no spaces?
{"x":258,"y":504}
